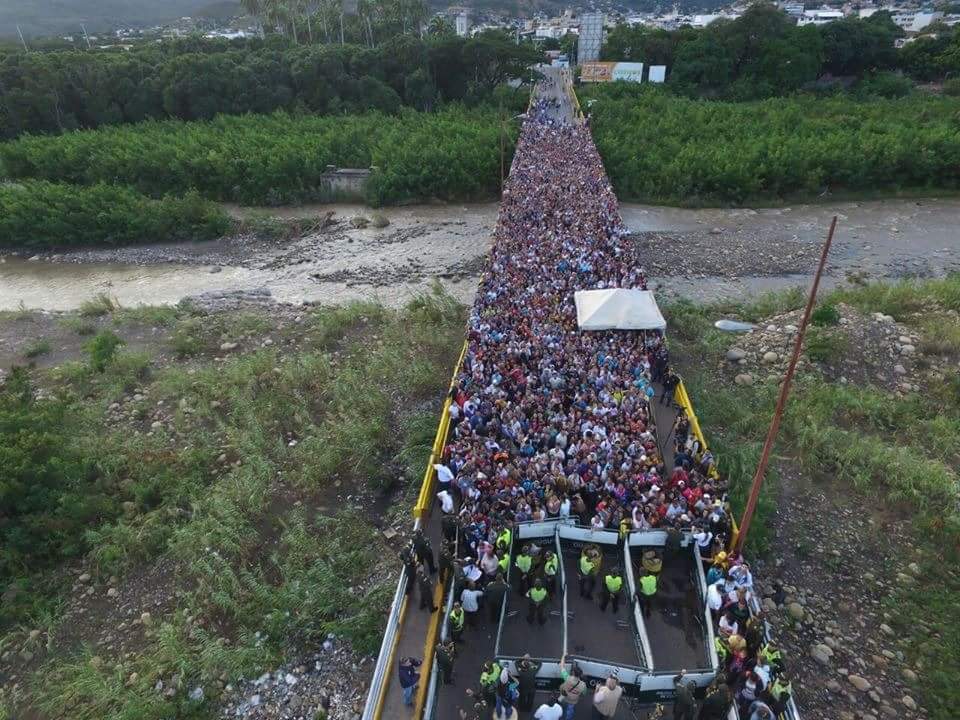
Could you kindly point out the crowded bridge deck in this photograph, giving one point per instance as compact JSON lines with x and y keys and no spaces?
{"x":572,"y":531}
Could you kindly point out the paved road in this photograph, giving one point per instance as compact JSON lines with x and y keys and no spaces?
{"x":556,"y":80}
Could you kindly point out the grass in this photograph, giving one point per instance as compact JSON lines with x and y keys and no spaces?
{"x":79,"y":325}
{"x":38,"y":348}
{"x":98,"y":306}
{"x":221,"y":494}
{"x":825,"y":346}
{"x":902,"y":452}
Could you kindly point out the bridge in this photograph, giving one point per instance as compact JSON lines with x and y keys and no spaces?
{"x":541,"y":410}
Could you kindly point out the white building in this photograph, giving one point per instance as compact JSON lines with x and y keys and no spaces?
{"x":819,"y":17}
{"x":914,"y":20}
{"x":462,"y":24}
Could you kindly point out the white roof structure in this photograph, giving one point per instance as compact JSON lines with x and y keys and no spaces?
{"x":618,"y":309}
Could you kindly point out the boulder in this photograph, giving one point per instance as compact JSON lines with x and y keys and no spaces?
{"x":907,"y":350}
{"x":736,"y":354}
{"x":909,"y":702}
{"x":822,"y":654}
{"x":796,"y":610}
{"x":227,"y":346}
{"x":744,"y":379}
{"x":770,"y":357}
{"x":860,"y":683}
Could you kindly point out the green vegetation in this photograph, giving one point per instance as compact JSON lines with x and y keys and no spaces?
{"x":903,"y":451}
{"x":765,"y":54}
{"x":39,"y":214}
{"x":825,"y":315}
{"x":266,"y":160}
{"x":37,"y":348}
{"x":661,"y":148}
{"x":195,"y":79}
{"x":102,"y":348}
{"x":225,"y":472}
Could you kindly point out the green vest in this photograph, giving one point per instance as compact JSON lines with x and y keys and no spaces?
{"x":771,"y":656}
{"x":721,"y":647}
{"x":456,"y":618}
{"x":648,"y":584}
{"x":504,"y":538}
{"x":504,"y":563}
{"x":779,"y":688}
{"x":537,"y":594}
{"x":524,"y":562}
{"x":489,"y":678}
{"x":586,"y":565}
{"x":613,"y":583}
{"x":551,"y":565}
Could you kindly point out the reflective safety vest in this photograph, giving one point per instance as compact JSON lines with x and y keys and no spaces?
{"x":456,"y":618}
{"x":780,"y":688}
{"x":721,"y":647}
{"x":489,"y":678}
{"x":537,"y":594}
{"x":551,"y":565}
{"x":772,"y":656}
{"x":613,"y":583}
{"x":524,"y":562}
{"x":588,"y":566}
{"x":648,"y":584}
{"x":504,"y":539}
{"x":504,"y":563}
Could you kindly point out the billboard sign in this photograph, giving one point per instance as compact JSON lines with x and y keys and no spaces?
{"x":658,"y":73}
{"x":611,"y":72}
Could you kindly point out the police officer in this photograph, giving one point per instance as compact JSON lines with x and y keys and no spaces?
{"x":612,"y":583}
{"x":446,"y":561}
{"x":684,"y":703}
{"x":450,"y":527}
{"x":527,"y":669}
{"x":589,"y":567}
{"x":778,"y":694}
{"x":446,"y":651}
{"x":504,"y":541}
{"x":494,"y":594}
{"x":425,"y":583}
{"x":424,"y":550}
{"x":537,"y":596}
{"x":647,"y":592}
{"x":489,"y":681}
{"x":551,"y":565}
{"x":524,"y":563}
{"x":455,"y":623}
{"x":409,"y":560}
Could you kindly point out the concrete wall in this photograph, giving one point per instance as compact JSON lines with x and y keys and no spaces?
{"x":343,"y":184}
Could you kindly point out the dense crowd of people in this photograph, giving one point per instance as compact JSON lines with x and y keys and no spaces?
{"x":548,"y":422}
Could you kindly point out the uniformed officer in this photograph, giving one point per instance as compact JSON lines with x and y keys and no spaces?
{"x":779,"y":693}
{"x":446,"y":561}
{"x":527,"y":669}
{"x":504,"y":541}
{"x":489,"y":681}
{"x":450,"y":526}
{"x":589,"y":569}
{"x":409,"y":560}
{"x":647,"y":592}
{"x":494,"y":594}
{"x":424,"y":550}
{"x":425,"y":583}
{"x":455,"y":623}
{"x":446,"y":651}
{"x":524,"y":563}
{"x":612,"y":583}
{"x":551,"y":565}
{"x":684,"y":703}
{"x":537,"y":596}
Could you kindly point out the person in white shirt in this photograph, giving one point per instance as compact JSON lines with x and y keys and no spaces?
{"x":444,"y":475}
{"x":549,"y":711}
{"x":470,"y":602}
{"x":446,"y":501}
{"x":715,"y":597}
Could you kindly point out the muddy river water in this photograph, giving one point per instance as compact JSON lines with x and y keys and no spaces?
{"x":702,"y":254}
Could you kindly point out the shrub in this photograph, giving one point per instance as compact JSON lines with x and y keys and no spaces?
{"x":38,"y":214}
{"x":825,"y":346}
{"x":35,"y":349}
{"x":885,"y":85}
{"x":102,"y":349}
{"x":951,"y":87}
{"x":825,"y":315}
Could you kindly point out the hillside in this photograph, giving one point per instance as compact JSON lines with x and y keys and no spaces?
{"x":52,"y":17}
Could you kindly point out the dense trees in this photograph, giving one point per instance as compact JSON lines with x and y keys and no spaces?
{"x":273,"y":159}
{"x":659,"y":147}
{"x":764,"y":54}
{"x":195,"y":79}
{"x":38,"y":214}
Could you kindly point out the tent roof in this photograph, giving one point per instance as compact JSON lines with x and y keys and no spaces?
{"x":618,"y":309}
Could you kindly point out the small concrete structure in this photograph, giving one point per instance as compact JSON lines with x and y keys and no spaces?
{"x":338,"y":184}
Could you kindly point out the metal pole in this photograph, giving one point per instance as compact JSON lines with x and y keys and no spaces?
{"x":782,"y":400}
{"x":22,"y":41}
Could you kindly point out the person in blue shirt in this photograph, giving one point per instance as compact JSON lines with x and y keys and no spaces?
{"x":409,"y":678}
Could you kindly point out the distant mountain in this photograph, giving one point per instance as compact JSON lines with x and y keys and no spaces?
{"x":58,"y":17}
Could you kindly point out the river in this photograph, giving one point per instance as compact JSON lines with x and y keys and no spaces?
{"x":699,"y":253}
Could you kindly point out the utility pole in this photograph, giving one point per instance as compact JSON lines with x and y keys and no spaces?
{"x":782,"y":400}
{"x":85,"y":36}
{"x":22,"y":41}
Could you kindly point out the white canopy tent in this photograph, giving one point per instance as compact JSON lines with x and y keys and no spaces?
{"x":618,"y":309}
